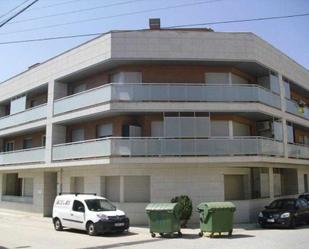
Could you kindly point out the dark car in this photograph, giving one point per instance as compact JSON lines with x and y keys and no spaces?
{"x":304,"y":196}
{"x":285,"y":213}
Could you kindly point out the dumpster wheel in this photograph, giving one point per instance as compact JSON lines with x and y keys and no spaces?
{"x":200,"y":234}
{"x":230,"y":232}
{"x":179,"y":234}
{"x":153,"y":235}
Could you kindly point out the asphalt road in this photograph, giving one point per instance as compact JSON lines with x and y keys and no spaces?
{"x":21,"y":230}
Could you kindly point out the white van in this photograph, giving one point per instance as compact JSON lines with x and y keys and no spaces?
{"x":88,"y":212}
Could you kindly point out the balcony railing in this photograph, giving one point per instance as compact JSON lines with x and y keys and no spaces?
{"x":299,"y":151}
{"x":293,"y":107}
{"x":160,"y":147}
{"x":83,"y":149}
{"x":34,"y":155}
{"x":194,"y":93}
{"x":26,"y":116}
{"x":84,"y":99}
{"x":167,"y":93}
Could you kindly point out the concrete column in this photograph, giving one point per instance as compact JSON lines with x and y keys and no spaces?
{"x":271,"y":182}
{"x":59,"y":181}
{"x":230,"y":78}
{"x":121,"y":195}
{"x":284,"y":128}
{"x":300,"y":180}
{"x":285,"y":137}
{"x":282,"y":92}
{"x":49,"y":127}
{"x":231,"y":132}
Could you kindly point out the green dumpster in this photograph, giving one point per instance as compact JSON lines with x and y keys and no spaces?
{"x":164,"y":218}
{"x":216,"y":217}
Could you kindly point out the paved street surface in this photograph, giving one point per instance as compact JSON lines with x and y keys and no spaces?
{"x":21,"y":230}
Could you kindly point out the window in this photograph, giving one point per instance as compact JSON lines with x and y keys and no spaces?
{"x":217,"y":78}
{"x":27,"y":143}
{"x":13,"y":184}
{"x":136,"y":188}
{"x":99,"y":205}
{"x":234,"y":186}
{"x":219,"y":128}
{"x":240,"y":130}
{"x":186,"y":126}
{"x":104,"y":130}
{"x":78,"y":135}
{"x":112,"y":188}
{"x":79,"y":88}
{"x":17,"y":186}
{"x":77,"y":184}
{"x":126,"y":77}
{"x":302,"y":203}
{"x":27,"y":186}
{"x":9,"y":146}
{"x":78,"y":207}
{"x":43,"y":140}
{"x":157,"y":129}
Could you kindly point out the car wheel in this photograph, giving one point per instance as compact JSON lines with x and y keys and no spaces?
{"x":91,"y":230}
{"x":57,"y":225}
{"x":292,"y":224}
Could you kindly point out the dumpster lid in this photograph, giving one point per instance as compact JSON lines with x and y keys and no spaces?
{"x":161,"y":206}
{"x":216,"y":205}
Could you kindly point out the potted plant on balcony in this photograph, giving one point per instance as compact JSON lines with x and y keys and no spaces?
{"x":186,"y":208}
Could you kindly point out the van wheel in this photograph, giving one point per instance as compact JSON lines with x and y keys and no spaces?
{"x":91,"y":229}
{"x":57,"y":224}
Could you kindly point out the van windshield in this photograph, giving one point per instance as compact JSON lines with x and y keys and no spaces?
{"x":98,"y":205}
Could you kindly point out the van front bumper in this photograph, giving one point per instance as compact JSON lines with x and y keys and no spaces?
{"x":112,"y":226}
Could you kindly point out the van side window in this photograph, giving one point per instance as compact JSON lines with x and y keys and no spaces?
{"x":78,"y":206}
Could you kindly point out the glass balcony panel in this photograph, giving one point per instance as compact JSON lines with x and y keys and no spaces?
{"x":293,"y":107}
{"x":83,"y":99}
{"x":82,"y":149}
{"x":35,"y":155}
{"x":157,"y":147}
{"x":298,"y":151}
{"x":27,"y":116}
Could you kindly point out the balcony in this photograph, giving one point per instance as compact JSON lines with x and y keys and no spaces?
{"x":84,"y":149}
{"x":194,"y":93}
{"x":166,"y":93}
{"x":161,"y":147}
{"x":34,"y":155}
{"x":293,"y":108}
{"x":298,"y":151}
{"x":84,"y":99}
{"x":27,"y":116}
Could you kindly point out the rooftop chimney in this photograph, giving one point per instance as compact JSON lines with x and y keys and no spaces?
{"x":154,"y":23}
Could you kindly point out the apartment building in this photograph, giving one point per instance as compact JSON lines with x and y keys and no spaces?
{"x":141,"y":116}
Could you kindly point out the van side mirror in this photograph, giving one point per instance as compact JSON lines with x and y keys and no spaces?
{"x":266,"y":207}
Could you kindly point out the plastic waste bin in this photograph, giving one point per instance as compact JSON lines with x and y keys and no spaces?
{"x":164,"y":218}
{"x":216,"y":217}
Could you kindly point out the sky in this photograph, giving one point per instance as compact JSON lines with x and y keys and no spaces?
{"x":289,"y":35}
